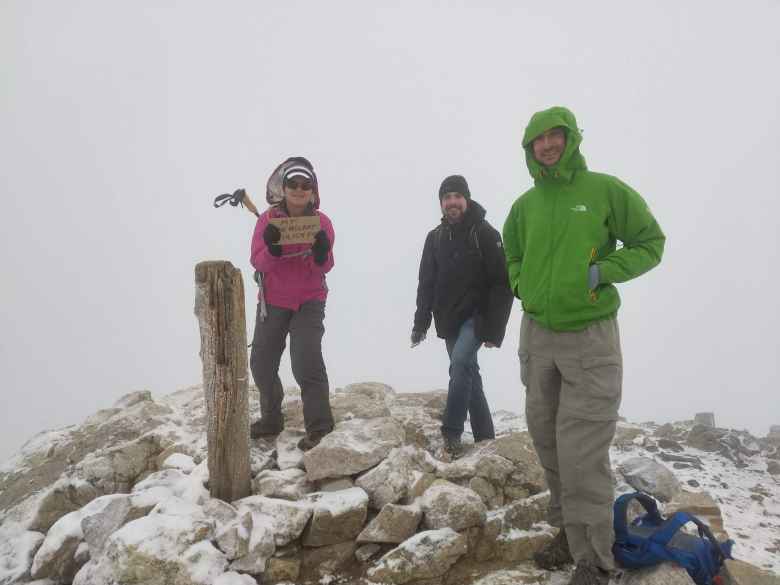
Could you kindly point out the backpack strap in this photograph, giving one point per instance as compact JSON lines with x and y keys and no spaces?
{"x":620,"y":521}
{"x":673,"y":525}
{"x":473,"y":235}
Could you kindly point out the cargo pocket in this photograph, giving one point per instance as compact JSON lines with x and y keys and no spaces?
{"x":600,"y":389}
{"x":524,"y":363}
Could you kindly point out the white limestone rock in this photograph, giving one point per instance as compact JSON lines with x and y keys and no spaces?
{"x":289,"y":518}
{"x":159,"y":549}
{"x":288,"y":456}
{"x":287,"y":484}
{"x":394,"y":524}
{"x":353,"y":446}
{"x":336,"y":516}
{"x":663,"y":574}
{"x":649,"y":476}
{"x":17,"y":551}
{"x":390,"y":481}
{"x":445,"y":504}
{"x":426,"y":555}
{"x":261,"y":546}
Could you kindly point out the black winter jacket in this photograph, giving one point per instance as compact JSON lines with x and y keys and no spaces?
{"x":463,"y":274}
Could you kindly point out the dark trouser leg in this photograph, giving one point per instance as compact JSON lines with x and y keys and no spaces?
{"x":267,"y":346}
{"x":479,"y":411}
{"x":306,"y":331}
{"x":463,"y":367}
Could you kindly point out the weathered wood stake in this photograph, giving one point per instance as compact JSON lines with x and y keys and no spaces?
{"x":219,"y":306}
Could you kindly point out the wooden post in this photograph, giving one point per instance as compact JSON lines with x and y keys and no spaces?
{"x":219,"y":306}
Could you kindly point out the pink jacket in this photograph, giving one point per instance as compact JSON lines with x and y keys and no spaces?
{"x":291,"y":281}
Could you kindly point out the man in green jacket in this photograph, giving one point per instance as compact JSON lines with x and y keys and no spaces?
{"x":563,"y":261}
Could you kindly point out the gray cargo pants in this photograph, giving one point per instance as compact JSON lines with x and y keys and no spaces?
{"x":306,"y":329}
{"x":573,"y":381}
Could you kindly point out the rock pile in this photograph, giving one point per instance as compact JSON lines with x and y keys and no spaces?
{"x":123,"y":498}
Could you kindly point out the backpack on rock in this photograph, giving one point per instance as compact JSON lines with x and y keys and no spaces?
{"x":650,"y":540}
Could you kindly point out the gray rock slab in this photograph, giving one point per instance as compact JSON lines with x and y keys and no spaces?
{"x":649,"y":476}
{"x":286,"y":484}
{"x":261,"y":546}
{"x":390,"y":481}
{"x":99,"y":526}
{"x":336,"y":517}
{"x":353,"y":447}
{"x":290,"y":518}
{"x":664,"y":574}
{"x":446,"y":504}
{"x":328,"y":559}
{"x":288,"y":456}
{"x":426,"y":555}
{"x":394,"y":524}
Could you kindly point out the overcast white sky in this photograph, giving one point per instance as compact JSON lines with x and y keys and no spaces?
{"x":120,"y":121}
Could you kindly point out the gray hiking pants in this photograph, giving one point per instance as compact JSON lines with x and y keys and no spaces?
{"x":306,"y":329}
{"x":573,"y":381}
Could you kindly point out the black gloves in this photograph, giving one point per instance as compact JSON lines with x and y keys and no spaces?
{"x":271,"y":235}
{"x":320,"y":248}
{"x":417,"y":337}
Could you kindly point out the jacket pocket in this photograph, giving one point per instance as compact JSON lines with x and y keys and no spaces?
{"x":598,"y":393}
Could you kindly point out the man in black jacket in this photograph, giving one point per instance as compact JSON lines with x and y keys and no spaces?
{"x":464,"y":283}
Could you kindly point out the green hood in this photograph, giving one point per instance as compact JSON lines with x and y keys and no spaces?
{"x":571,"y":160}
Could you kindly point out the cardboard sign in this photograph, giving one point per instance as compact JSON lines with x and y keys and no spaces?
{"x":297,"y":230}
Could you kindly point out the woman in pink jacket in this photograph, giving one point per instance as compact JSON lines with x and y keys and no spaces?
{"x":294,"y":293}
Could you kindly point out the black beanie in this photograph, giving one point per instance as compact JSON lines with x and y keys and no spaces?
{"x":454,"y":184}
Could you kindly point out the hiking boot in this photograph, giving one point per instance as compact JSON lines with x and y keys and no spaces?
{"x":452,"y":445}
{"x":311,"y":440}
{"x":588,"y":574}
{"x":555,"y":553}
{"x":263,"y":428}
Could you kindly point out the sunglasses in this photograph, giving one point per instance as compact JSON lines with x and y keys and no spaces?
{"x":306,"y":185}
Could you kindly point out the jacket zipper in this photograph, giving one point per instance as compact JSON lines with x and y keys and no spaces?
{"x":593,"y":296}
{"x":552,"y":250}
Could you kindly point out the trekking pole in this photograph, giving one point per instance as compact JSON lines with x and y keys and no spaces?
{"x":240,"y":197}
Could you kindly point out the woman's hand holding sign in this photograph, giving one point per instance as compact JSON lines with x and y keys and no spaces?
{"x":320,"y":247}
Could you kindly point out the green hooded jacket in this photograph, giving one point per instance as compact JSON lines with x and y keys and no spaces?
{"x":572,"y":218}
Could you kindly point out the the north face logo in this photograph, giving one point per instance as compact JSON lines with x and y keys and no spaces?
{"x":579,"y":208}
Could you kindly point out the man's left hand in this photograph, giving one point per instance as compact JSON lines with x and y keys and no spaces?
{"x":320,"y":247}
{"x":594,"y":276}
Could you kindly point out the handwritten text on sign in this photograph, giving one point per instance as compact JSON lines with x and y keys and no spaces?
{"x":297,"y":230}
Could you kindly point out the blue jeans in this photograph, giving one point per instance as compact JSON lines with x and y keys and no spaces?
{"x":465,"y":390}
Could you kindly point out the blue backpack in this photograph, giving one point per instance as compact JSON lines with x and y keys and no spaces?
{"x":651,"y":540}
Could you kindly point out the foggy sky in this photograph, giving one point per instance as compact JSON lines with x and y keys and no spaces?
{"x":119,"y":123}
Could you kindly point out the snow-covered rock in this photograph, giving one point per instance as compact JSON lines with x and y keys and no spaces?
{"x":385,"y":454}
{"x":644,"y":474}
{"x":390,"y":481}
{"x":260,"y":547}
{"x":426,"y":555}
{"x":336,"y":516}
{"x":289,"y":518}
{"x":158,"y":549}
{"x":287,"y":484}
{"x":393,"y":524}
{"x":354,"y":446}
{"x":446,"y":504}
